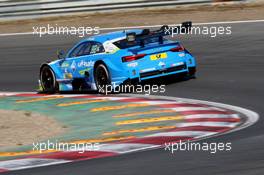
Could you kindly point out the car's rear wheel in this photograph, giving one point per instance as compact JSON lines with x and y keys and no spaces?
{"x":102,"y":78}
{"x":48,"y":80}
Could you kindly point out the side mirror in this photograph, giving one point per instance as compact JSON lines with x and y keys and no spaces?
{"x":60,"y":54}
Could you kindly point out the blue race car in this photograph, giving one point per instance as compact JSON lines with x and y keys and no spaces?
{"x":117,"y":58}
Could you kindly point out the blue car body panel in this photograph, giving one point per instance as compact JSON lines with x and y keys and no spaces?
{"x":70,"y":68}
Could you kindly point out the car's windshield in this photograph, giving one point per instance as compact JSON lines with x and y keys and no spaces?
{"x":87,"y":48}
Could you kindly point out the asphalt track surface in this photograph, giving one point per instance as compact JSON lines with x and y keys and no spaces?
{"x":231,"y":70}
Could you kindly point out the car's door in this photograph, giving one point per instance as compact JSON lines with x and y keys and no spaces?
{"x":88,"y":56}
{"x":82,"y":58}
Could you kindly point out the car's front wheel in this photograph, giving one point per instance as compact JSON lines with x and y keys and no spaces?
{"x":48,"y":80}
{"x":102,"y":78}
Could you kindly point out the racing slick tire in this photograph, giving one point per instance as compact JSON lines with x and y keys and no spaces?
{"x":102,"y":79}
{"x":48,"y":80}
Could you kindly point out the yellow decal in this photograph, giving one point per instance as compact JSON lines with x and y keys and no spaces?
{"x":149,"y":120}
{"x":68,"y":76}
{"x":158,"y":56}
{"x":81,"y":72}
{"x":109,"y":108}
{"x":143,"y":113}
{"x":151,"y":128}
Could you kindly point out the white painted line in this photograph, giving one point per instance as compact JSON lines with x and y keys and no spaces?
{"x":182,"y":134}
{"x":195,"y":116}
{"x":207,"y":124}
{"x":19,"y":164}
{"x":148,"y":26}
{"x":230,"y":22}
{"x":15,"y":34}
{"x":155,"y":102}
{"x":15,"y":93}
{"x":122,"y":147}
{"x":182,"y":109}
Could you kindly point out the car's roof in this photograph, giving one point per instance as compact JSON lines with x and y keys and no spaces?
{"x":112,"y":35}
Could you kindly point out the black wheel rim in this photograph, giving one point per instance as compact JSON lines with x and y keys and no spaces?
{"x":47,"y":79}
{"x":101,"y":76}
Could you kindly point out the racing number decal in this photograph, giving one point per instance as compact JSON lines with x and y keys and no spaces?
{"x":158,"y":56}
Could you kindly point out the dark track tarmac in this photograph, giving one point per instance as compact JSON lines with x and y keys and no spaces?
{"x":231,"y":70}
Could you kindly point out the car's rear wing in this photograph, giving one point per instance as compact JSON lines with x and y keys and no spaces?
{"x":165,"y":30}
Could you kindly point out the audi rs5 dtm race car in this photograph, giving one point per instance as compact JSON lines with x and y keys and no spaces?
{"x":117,"y":58}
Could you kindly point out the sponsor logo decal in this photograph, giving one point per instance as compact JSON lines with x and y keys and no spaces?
{"x":162,"y":64}
{"x":181,"y":54}
{"x":158,"y":56}
{"x":110,"y":48}
{"x":135,"y":64}
{"x":148,"y":69}
{"x":73,"y":66}
{"x":81,"y":72}
{"x":68,"y":76}
{"x":83,"y":63}
{"x":177,"y":64}
{"x":65,"y":64}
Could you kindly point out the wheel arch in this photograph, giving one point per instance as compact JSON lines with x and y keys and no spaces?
{"x":42,"y":66}
{"x":56,"y":85}
{"x":52,"y":67}
{"x":101,"y":62}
